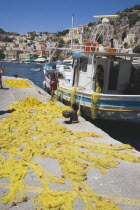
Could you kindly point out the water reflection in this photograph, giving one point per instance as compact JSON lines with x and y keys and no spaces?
{"x":125,"y":132}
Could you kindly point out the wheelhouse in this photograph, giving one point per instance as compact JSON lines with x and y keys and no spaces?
{"x":116,"y":75}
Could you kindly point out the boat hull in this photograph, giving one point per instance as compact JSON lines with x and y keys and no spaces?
{"x":108,"y":107}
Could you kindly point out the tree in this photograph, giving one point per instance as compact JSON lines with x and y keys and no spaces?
{"x":2,"y":31}
{"x":56,"y":57}
{"x":128,"y":10}
{"x":136,"y":49}
{"x":136,"y":7}
{"x":133,"y":19}
{"x":2,"y":55}
{"x":112,"y":22}
{"x":125,"y":45}
{"x":76,"y":41}
{"x":8,"y":39}
{"x":61,"y":43}
{"x":90,"y":24}
{"x":123,"y":35}
{"x":62,"y":33}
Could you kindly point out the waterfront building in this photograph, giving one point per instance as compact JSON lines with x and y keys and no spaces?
{"x":12,"y":55}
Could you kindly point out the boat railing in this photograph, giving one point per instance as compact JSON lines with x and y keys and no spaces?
{"x":94,"y":47}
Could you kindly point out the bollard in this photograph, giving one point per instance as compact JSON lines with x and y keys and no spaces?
{"x":72,"y":115}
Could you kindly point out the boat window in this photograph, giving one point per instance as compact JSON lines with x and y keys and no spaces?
{"x":100,"y":76}
{"x":83,"y":64}
{"x":113,"y":76}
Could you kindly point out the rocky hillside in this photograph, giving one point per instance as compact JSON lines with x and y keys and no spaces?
{"x":128,"y":23}
{"x":126,"y":32}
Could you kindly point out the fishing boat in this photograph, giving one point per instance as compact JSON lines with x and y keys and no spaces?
{"x":65,"y":68}
{"x":104,"y":83}
{"x":36,"y":69}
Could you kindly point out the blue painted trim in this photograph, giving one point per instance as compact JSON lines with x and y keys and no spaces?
{"x":78,"y":55}
{"x":108,"y":102}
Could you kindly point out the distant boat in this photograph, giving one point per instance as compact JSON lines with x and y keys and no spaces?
{"x":36,"y":69}
{"x":40,"y":60}
{"x":65,"y":68}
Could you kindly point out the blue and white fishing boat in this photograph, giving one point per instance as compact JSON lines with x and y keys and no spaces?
{"x":103,"y":83}
{"x":64,"y":68}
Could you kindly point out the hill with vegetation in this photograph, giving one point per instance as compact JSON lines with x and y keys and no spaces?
{"x":127,"y":23}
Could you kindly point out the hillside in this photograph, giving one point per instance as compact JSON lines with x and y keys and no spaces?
{"x":126,"y":33}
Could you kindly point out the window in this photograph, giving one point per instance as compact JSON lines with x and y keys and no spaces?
{"x":83,"y":64}
{"x":113,"y":76}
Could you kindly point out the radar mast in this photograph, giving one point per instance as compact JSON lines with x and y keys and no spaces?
{"x":103,"y":31}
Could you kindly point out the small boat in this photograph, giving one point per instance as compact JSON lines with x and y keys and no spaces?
{"x":36,"y":69}
{"x":104,"y":83}
{"x":64,"y":68}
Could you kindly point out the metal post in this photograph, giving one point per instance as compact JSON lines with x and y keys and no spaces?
{"x":72,"y":31}
{"x":50,"y":52}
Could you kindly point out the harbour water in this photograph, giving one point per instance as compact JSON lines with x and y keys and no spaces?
{"x":127,"y":133}
{"x":23,"y":70}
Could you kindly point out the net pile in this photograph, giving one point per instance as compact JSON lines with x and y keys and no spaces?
{"x":74,"y":153}
{"x":18,"y":83}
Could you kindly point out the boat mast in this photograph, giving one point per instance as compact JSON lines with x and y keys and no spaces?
{"x":72,"y":31}
{"x":50,"y":52}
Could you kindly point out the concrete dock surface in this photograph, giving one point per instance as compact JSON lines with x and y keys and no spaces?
{"x":54,"y":173}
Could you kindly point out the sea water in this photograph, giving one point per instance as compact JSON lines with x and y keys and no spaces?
{"x":23,"y":70}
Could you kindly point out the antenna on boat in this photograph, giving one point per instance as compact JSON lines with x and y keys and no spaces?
{"x":104,"y":30}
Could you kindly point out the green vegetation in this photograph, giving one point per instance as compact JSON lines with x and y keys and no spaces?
{"x":58,"y":53}
{"x":61,"y":43}
{"x":54,"y":39}
{"x":133,"y":19}
{"x":62,"y":33}
{"x":112,"y":22}
{"x":76,"y":41}
{"x":123,"y":35}
{"x":136,"y":7}
{"x":2,"y":55}
{"x":7,"y":39}
{"x":2,"y":31}
{"x":90,"y":24}
{"x":136,"y":49}
{"x":57,"y":56}
{"x":32,"y":35}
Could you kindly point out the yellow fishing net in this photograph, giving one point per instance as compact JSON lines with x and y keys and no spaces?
{"x":18,"y":83}
{"x":95,"y":98}
{"x":74,"y":153}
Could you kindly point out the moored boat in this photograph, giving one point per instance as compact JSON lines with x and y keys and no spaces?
{"x":64,"y":68}
{"x":104,"y":83}
{"x":36,"y":69}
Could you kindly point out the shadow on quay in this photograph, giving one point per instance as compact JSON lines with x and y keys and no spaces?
{"x":4,"y":88}
{"x":125,"y":132}
{"x":7,"y":111}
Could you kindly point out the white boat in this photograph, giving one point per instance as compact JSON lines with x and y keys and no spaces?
{"x":104,"y":83}
{"x":64,"y":68}
{"x":36,"y":69}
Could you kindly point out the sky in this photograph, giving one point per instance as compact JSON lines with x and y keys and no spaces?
{"x":23,"y":16}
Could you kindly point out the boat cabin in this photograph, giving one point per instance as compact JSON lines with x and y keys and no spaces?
{"x":115,"y":74}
